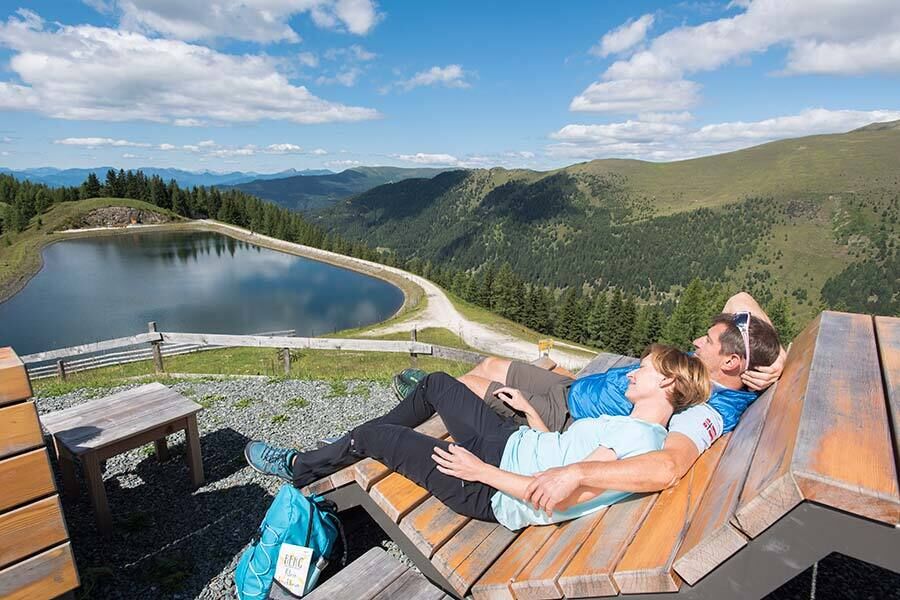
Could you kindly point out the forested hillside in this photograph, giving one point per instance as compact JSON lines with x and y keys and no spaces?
{"x":812,"y":221}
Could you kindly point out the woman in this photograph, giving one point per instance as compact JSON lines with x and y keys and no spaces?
{"x":484,"y":472}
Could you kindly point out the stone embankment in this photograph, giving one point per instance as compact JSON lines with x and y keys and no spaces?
{"x":121,"y":216}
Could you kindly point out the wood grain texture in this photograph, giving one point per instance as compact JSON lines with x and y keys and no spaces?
{"x":397,"y":496}
{"x":475,"y":564}
{"x":496,"y":581}
{"x":887,"y":330}
{"x":647,"y":565}
{"x":410,"y":586}
{"x":590,"y":572}
{"x":460,"y":546}
{"x":770,"y":491}
{"x":538,"y":579}
{"x":25,"y":477}
{"x":30,"y":529}
{"x":14,"y":383}
{"x":46,"y":575}
{"x":257,"y":341}
{"x":121,"y":342}
{"x":364,"y":578}
{"x":19,"y":429}
{"x":712,"y":538}
{"x":430,"y":525}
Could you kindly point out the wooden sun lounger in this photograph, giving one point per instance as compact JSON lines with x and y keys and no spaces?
{"x":810,"y":470}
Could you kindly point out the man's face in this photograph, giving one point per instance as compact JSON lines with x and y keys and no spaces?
{"x":709,"y":348}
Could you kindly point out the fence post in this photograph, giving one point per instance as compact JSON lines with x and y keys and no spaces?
{"x":60,"y":370}
{"x":413,"y":357}
{"x":154,"y":347}
{"x":287,"y":361}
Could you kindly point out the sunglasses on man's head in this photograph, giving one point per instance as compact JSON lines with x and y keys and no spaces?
{"x":741,"y":320}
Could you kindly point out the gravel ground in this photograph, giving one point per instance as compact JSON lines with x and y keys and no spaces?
{"x":174,"y":543}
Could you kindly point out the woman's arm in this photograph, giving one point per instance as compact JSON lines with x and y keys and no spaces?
{"x":517,"y":400}
{"x":459,"y":462}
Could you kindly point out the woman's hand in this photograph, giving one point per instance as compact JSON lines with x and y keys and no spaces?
{"x":514,"y":398}
{"x":459,"y":462}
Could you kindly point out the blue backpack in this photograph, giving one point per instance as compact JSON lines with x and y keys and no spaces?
{"x":292,"y":519}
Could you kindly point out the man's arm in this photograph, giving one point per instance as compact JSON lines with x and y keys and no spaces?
{"x":744,"y":301}
{"x":559,"y":488}
{"x":761,"y":377}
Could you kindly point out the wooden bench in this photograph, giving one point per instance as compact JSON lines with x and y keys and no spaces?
{"x":375,"y":575}
{"x":102,"y":428}
{"x":810,"y":470}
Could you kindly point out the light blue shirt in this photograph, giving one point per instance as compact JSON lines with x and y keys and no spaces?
{"x":528,"y":451}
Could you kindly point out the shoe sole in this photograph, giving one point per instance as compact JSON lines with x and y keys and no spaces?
{"x":258,"y":470}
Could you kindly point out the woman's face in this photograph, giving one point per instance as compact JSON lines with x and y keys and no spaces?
{"x":644,"y":382}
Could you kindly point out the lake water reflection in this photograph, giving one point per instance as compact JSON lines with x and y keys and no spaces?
{"x":99,"y":288}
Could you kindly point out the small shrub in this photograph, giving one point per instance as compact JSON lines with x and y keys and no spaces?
{"x":279,"y":419}
{"x":338,"y":388}
{"x":243,"y":403}
{"x":297,"y":402}
{"x":210,"y":399}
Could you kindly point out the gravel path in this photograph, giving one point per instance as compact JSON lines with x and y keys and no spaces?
{"x":171,"y":542}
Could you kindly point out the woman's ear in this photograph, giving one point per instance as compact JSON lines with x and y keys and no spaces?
{"x":666,"y":382}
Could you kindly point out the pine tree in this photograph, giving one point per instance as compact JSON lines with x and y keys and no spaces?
{"x":780,"y":315}
{"x":619,"y":341}
{"x":91,"y":187}
{"x":612,"y":322}
{"x":689,"y":319}
{"x":486,"y":285}
{"x":595,"y":320}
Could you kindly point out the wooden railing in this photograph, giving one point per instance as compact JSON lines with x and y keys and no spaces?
{"x":63,"y":361}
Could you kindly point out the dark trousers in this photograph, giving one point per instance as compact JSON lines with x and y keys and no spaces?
{"x":391,"y":440}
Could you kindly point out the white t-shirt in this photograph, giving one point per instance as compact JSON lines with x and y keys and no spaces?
{"x":702,"y":423}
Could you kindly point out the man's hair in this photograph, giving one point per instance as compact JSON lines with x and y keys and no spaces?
{"x":764,"y":343}
{"x":690,"y":379}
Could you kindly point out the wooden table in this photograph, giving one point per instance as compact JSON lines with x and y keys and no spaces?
{"x":106,"y":427}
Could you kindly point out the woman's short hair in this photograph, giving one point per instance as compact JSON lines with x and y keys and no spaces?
{"x":690,"y":380}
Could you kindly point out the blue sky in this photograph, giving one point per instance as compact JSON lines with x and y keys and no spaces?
{"x":266,"y":85}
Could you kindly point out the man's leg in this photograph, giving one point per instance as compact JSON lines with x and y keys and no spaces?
{"x":491,"y":368}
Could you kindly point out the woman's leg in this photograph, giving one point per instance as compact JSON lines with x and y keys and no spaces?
{"x":408,"y":452}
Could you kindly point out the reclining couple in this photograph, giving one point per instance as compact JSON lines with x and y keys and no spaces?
{"x":532,"y":446}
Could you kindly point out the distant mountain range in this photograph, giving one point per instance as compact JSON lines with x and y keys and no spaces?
{"x":312,"y":193}
{"x":74,"y":177}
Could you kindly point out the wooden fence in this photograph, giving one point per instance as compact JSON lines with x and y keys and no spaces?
{"x":161,"y":344}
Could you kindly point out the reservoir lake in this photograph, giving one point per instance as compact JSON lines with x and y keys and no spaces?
{"x":92,"y":289}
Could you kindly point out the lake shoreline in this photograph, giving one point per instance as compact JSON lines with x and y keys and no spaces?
{"x":413,"y":295}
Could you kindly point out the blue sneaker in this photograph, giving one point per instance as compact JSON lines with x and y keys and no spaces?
{"x":270,"y":460}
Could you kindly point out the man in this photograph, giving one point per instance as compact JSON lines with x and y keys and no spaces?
{"x":742,"y":352}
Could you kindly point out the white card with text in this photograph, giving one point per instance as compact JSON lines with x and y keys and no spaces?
{"x":292,"y":568}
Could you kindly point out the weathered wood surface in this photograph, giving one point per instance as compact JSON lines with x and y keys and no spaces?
{"x":538,"y":579}
{"x":463,"y":548}
{"x":712,"y":538}
{"x":46,"y":575}
{"x":121,"y":342}
{"x":482,"y":556}
{"x":590,"y":572}
{"x":19,"y":429}
{"x":769,"y":491}
{"x":430,"y":525}
{"x":410,"y":586}
{"x":466,"y":356}
{"x":14,"y":383}
{"x":364,"y":578}
{"x":25,"y":477}
{"x":397,"y":496}
{"x":30,"y":529}
{"x":647,"y":566}
{"x":306,"y":343}
{"x":496,"y":581}
{"x":887,"y":330}
{"x":368,"y":472}
{"x":842,"y":453}
{"x":105,"y":421}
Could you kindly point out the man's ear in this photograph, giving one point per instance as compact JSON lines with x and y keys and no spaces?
{"x":732,"y":364}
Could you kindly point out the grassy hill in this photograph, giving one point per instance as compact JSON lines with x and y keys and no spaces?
{"x":310,"y":193}
{"x":20,"y":253}
{"x":813,"y":219}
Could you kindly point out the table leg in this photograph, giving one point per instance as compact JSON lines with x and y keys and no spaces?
{"x":67,"y":471}
{"x":97,"y":492}
{"x":195,"y":460}
{"x":162,"y":449}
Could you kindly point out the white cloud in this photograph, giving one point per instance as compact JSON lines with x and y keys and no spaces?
{"x":423,"y":158}
{"x":188,"y":123}
{"x":451,"y":76}
{"x":127,"y":155}
{"x":308,"y":59}
{"x":320,"y":152}
{"x":346,"y":78}
{"x":626,"y":36}
{"x":284,"y":149}
{"x":666,"y":117}
{"x":167,"y":147}
{"x":342,"y":164}
{"x":95,"y":142}
{"x":822,"y":36}
{"x":252,"y":20}
{"x":354,"y":52}
{"x":248,"y":150}
{"x":662,"y":141}
{"x":207,"y":144}
{"x":62,"y":68}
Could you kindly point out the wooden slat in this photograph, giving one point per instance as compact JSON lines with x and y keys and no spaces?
{"x":887,"y":330}
{"x":647,"y":566}
{"x":396,"y":496}
{"x":47,"y":575}
{"x":30,"y":529}
{"x":410,"y":586}
{"x":769,"y":491}
{"x":712,"y":538}
{"x":14,"y":383}
{"x":538,"y":579}
{"x":363,"y":578}
{"x":19,"y":429}
{"x":430,"y":525}
{"x":109,"y":406}
{"x":121,"y":342}
{"x":219,"y":339}
{"x":25,"y":477}
{"x":590,"y":573}
{"x":458,"y":548}
{"x":473,"y":566}
{"x":496,"y":581}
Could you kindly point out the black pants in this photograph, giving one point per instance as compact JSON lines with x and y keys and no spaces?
{"x":391,"y":440}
